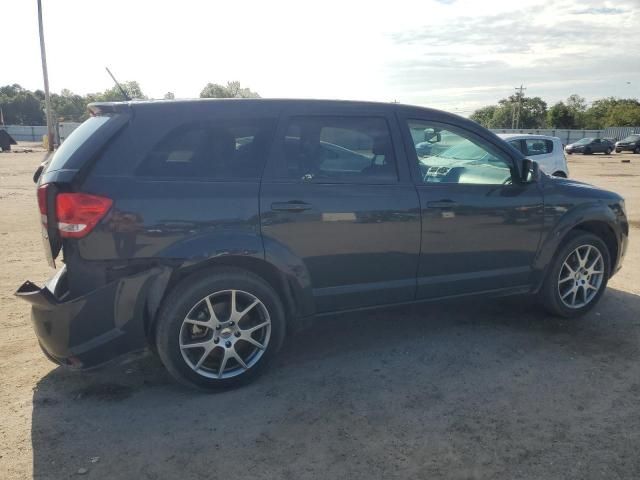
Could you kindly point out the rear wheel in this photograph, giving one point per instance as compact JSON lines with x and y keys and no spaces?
{"x":577,"y":277}
{"x":607,"y":151}
{"x":636,"y":150}
{"x":618,"y":151}
{"x":220,"y":330}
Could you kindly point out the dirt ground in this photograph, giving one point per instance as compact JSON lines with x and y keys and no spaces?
{"x":465,"y":390}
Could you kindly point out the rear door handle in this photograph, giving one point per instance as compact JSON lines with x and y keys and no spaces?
{"x":290,"y":206}
{"x":442,"y":204}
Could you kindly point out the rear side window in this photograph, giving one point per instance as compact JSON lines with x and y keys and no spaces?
{"x":234,"y":149}
{"x":538,"y":146}
{"x":75,"y":141}
{"x":339,"y":150}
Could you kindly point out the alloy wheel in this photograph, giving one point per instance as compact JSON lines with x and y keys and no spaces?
{"x":581,"y":276}
{"x":225,"y":334}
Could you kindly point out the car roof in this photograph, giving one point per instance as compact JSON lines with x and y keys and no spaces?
{"x":517,"y":136}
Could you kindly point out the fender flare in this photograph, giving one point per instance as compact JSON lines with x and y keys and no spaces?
{"x":596,"y":211}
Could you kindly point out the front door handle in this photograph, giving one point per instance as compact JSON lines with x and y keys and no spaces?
{"x":290,"y":206}
{"x":442,"y":204}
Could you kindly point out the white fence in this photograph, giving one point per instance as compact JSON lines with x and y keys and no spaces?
{"x":34,"y":133}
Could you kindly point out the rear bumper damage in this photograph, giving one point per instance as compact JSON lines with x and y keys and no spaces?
{"x":94,"y":328}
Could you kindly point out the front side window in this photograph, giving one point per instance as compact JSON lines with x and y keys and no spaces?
{"x":538,"y":146}
{"x":450,"y":155}
{"x":339,"y":150}
{"x":202,"y":150}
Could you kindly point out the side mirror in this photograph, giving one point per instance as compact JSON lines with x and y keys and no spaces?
{"x":432,"y":136}
{"x":530,"y":171}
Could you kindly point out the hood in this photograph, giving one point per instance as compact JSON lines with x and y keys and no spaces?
{"x":576,"y":187}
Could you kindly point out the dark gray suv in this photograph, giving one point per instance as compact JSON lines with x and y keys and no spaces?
{"x":204,"y":230}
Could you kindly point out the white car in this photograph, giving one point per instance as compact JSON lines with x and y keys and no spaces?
{"x":545,"y":150}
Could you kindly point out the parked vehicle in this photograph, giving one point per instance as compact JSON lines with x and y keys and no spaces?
{"x":545,"y":150}
{"x":629,"y":144}
{"x":205,"y":229}
{"x":587,"y":146}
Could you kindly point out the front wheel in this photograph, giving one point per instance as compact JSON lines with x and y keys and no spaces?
{"x":219,"y":329}
{"x":636,"y":150}
{"x":607,"y":151}
{"x":577,"y":276}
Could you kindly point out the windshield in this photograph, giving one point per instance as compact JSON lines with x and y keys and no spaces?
{"x":584,"y":141}
{"x":631,"y":138}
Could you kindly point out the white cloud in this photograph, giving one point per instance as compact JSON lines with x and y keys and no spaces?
{"x":455,"y":55}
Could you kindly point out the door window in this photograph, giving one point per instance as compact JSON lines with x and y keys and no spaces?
{"x":451,"y":155}
{"x":339,"y":150}
{"x":233,"y":150}
{"x":538,"y":146}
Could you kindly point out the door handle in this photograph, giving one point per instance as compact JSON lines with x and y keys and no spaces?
{"x":290,"y":206}
{"x":442,"y":204}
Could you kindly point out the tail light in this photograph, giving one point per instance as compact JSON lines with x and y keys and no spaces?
{"x":76,"y":213}
{"x":43,"y":191}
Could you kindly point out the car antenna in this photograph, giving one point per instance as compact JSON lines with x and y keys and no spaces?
{"x":124,"y":93}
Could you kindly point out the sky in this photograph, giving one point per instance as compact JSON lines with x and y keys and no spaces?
{"x":456,"y":55}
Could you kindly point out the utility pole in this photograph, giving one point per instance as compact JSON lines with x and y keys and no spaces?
{"x":47,"y":98}
{"x":515,"y":120}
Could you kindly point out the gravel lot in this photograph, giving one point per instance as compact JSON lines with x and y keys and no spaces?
{"x":464,"y":390}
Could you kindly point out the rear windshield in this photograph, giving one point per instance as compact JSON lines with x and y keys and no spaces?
{"x":74,"y":141}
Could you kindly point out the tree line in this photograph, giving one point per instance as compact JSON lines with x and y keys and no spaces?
{"x":573,"y":113}
{"x":25,"y":107}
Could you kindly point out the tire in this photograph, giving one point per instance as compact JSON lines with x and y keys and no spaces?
{"x":636,"y":150}
{"x":560,"y":174}
{"x":618,"y":151}
{"x":607,"y":151}
{"x":570,"y":153}
{"x":226,"y":336}
{"x":553,"y":289}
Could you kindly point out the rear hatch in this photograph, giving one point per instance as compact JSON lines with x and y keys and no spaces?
{"x":65,"y":212}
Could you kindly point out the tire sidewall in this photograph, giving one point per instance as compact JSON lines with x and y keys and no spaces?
{"x":551,"y":295}
{"x":192,"y":290}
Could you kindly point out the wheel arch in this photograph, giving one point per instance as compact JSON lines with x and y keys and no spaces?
{"x":284,"y":287}
{"x":591,"y":219}
{"x":602,"y":230}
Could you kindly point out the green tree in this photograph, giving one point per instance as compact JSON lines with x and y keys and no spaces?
{"x":67,"y":106}
{"x":626,"y":113}
{"x":533,"y":113}
{"x":21,"y":106}
{"x":230,"y":90}
{"x":113,"y":94}
{"x":484,"y":116}
{"x":169,"y":96}
{"x":613,"y":112}
{"x":561,"y":116}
